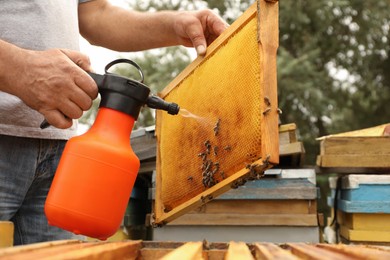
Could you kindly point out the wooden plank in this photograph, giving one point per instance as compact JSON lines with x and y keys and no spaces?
{"x":6,"y":234}
{"x":292,"y":148}
{"x":354,"y":161}
{"x":190,"y":250}
{"x":274,"y":189}
{"x":364,"y":235}
{"x":365,"y":221}
{"x":355,"y":145}
{"x":73,"y":249}
{"x":358,"y":252}
{"x":364,"y":206}
{"x":7,"y":252}
{"x":226,"y":219}
{"x":269,"y":251}
{"x":287,"y":128}
{"x":306,"y":251}
{"x":268,"y":39}
{"x":372,"y":131}
{"x":238,"y":251}
{"x":102,"y":250}
{"x":259,"y":207}
{"x":367,"y":192}
{"x":354,"y":181}
{"x":51,"y":251}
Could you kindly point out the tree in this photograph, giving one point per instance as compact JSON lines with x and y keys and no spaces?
{"x":332,"y":64}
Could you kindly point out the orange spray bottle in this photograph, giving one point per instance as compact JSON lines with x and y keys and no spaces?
{"x":97,"y":170}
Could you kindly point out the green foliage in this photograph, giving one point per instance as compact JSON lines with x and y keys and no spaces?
{"x":333,"y":66}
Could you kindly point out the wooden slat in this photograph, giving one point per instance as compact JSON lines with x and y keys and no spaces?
{"x":292,"y":148}
{"x":306,"y":251}
{"x":238,"y":251}
{"x":354,"y":161}
{"x":77,"y":250}
{"x":358,"y":252}
{"x":364,"y":221}
{"x":36,"y":246}
{"x":246,"y":220}
{"x":372,"y":131}
{"x":268,"y":37}
{"x":364,"y":235}
{"x":287,"y":127}
{"x":51,"y":251}
{"x":113,"y":250}
{"x":190,"y":250}
{"x":355,"y":145}
{"x":259,"y":207}
{"x":268,"y":251}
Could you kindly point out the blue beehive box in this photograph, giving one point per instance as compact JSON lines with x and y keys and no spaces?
{"x":361,"y":193}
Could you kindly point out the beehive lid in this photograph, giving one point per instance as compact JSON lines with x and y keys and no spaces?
{"x":233,"y":136}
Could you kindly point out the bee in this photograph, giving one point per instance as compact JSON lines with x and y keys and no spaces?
{"x":201,"y":154}
{"x":208,"y":146}
{"x":215,"y":150}
{"x":222,"y":175}
{"x":227,"y":148}
{"x":266,"y":111}
{"x":267,"y":101}
{"x":190,"y":178}
{"x":216,"y":127}
{"x":216,"y":164}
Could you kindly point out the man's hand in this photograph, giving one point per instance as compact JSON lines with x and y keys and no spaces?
{"x":106,"y":25}
{"x":198,"y":29}
{"x":53,"y":82}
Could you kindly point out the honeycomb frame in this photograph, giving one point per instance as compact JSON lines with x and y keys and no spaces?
{"x":179,"y":178}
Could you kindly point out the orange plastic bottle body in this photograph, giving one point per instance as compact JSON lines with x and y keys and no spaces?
{"x":95,"y":177}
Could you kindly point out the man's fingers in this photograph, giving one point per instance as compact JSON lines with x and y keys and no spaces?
{"x":78,"y":58}
{"x":57,"y":119}
{"x":82,"y":79}
{"x":195,"y":33}
{"x":87,"y":84}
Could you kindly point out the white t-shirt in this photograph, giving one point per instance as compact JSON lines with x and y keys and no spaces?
{"x":36,"y":25}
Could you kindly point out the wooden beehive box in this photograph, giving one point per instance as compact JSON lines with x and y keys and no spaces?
{"x":361,"y":151}
{"x":233,"y":136}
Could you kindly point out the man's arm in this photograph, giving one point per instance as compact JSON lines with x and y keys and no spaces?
{"x":119,"y":29}
{"x":53,"y":82}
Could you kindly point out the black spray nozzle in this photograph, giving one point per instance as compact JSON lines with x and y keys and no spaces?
{"x":159,"y":103}
{"x":128,"y":95}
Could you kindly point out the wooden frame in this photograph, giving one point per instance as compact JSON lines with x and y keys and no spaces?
{"x":267,"y":41}
{"x":73,"y":249}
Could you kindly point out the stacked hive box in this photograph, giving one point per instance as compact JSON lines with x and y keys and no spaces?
{"x":362,"y":208}
{"x":280,"y":207}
